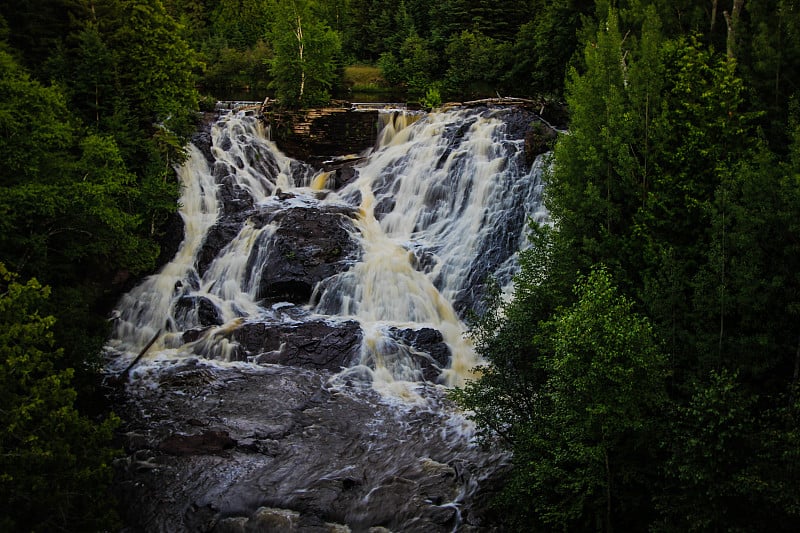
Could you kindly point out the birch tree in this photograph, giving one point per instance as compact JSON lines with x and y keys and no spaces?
{"x":306,"y":48}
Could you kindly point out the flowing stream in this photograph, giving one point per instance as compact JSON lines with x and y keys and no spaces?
{"x":348,"y":287}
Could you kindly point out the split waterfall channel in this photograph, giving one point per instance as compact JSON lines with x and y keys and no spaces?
{"x":309,"y":327}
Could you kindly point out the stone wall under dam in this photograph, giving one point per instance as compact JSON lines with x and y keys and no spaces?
{"x":317,"y":135}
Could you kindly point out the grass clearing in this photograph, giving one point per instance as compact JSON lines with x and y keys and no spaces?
{"x":363,"y":78}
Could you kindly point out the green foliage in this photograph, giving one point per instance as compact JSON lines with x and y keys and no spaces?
{"x":377,"y":27}
{"x":592,"y":187}
{"x":54,"y":463}
{"x":414,"y":65}
{"x":74,"y":216}
{"x":229,"y":68}
{"x":664,"y":179}
{"x":729,"y":468}
{"x":26,"y":146}
{"x":390,"y":67}
{"x":474,"y":61}
{"x":60,"y":209}
{"x":419,"y":63}
{"x":592,"y":443}
{"x":498,"y":19}
{"x":433,"y":97}
{"x":554,"y":28}
{"x":577,"y":397}
{"x":157,"y":81}
{"x":241,"y":23}
{"x":509,"y":335}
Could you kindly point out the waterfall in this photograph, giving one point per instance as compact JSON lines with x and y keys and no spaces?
{"x":312,"y":322}
{"x":439,"y":207}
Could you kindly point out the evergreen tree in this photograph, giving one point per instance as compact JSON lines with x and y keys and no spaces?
{"x":659,"y":178}
{"x":553,"y":26}
{"x":241,"y":23}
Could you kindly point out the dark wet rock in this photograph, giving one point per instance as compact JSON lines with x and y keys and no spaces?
{"x":309,"y":245}
{"x":539,"y":139}
{"x":207,"y":442}
{"x":384,"y":206}
{"x":234,"y":198}
{"x":220,"y":170}
{"x":344,"y":176}
{"x":206,"y":312}
{"x":523,"y":123}
{"x":429,"y":352}
{"x":283,"y":196}
{"x":170,"y":242}
{"x":314,"y":344}
{"x":202,"y":140}
{"x":303,"y":451}
{"x":517,"y":121}
{"x":225,"y":143}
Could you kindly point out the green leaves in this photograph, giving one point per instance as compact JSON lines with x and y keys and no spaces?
{"x":604,"y":392}
{"x":727,"y":468}
{"x":303,"y":68}
{"x":52,"y":459}
{"x":155,"y":66}
{"x":26,"y":146}
{"x":661,"y":180}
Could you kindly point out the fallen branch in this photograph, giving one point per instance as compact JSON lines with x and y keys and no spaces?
{"x":124,"y":375}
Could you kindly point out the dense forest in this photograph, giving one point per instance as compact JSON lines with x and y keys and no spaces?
{"x":644,"y":373}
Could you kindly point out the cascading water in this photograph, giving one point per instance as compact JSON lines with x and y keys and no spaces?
{"x":363,"y":284}
{"x":437,"y":193}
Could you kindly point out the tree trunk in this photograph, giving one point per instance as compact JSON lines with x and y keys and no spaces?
{"x":609,"y":529}
{"x":300,"y":47}
{"x":732,"y":20}
{"x":713,"y":15}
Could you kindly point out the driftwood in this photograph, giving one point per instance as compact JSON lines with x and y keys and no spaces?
{"x":126,"y":372}
{"x":522,"y":102}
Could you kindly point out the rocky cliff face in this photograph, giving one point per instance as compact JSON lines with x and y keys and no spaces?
{"x":317,"y":135}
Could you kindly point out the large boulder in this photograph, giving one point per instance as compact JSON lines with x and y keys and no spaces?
{"x":308,"y":245}
{"x":317,"y":344}
{"x":426,"y":347}
{"x":540,"y":138}
{"x":203,"y":309}
{"x":311,"y":242}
